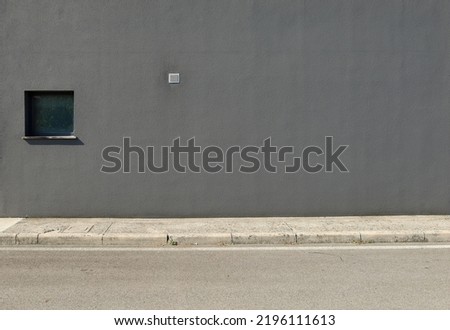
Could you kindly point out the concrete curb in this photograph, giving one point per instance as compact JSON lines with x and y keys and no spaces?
{"x":331,"y":237}
{"x":69,"y":239}
{"x":27,"y":238}
{"x":226,"y":231}
{"x":199,"y":239}
{"x":438,"y":236}
{"x":8,"y":238}
{"x":134,"y":239}
{"x":263,"y":238}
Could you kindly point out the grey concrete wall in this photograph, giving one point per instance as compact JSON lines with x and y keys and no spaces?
{"x":373,"y":74}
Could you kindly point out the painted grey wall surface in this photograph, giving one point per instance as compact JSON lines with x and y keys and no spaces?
{"x":374,"y":74}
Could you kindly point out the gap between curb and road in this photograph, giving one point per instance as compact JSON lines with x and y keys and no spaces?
{"x":157,"y":232}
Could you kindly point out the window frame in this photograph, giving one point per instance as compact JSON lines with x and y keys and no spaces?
{"x":29,"y":134}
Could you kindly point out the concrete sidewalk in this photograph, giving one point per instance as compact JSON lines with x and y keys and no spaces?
{"x":223,"y":231}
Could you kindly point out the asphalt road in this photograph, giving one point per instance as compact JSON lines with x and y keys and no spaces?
{"x":366,"y":277}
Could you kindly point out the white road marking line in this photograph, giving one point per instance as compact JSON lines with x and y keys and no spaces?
{"x":228,"y":248}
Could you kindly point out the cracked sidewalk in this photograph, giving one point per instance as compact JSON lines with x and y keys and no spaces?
{"x":156,"y":232}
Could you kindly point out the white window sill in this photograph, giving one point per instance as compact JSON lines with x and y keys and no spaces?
{"x":50,"y":137}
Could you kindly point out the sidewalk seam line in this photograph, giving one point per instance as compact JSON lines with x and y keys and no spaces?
{"x":90,"y":229}
{"x":105,"y":231}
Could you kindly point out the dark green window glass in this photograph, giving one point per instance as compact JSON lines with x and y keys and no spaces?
{"x":50,"y":113}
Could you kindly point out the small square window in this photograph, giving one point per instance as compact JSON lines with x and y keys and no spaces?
{"x":49,"y":113}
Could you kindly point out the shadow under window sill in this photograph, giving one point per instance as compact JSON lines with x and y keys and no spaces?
{"x":52,"y":140}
